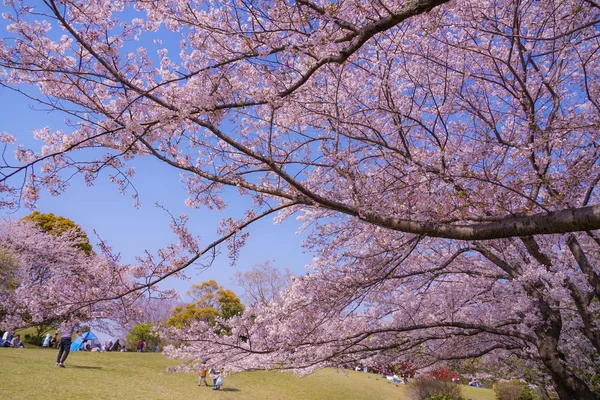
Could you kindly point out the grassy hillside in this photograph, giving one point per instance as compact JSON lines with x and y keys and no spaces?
{"x":31,"y":374}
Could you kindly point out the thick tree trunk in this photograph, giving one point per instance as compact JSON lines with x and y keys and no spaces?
{"x":566,"y":383}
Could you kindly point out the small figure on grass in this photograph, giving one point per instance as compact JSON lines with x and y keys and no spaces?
{"x":217,"y":377}
{"x":16,"y":342}
{"x":55,"y":341}
{"x":46,"y":343}
{"x":202,"y":372}
{"x":7,"y":338}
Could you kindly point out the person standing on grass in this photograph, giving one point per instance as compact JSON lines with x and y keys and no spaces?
{"x":54,"y":341}
{"x":67,"y":328}
{"x":141,"y":346}
{"x":218,"y":379}
{"x":202,"y":374}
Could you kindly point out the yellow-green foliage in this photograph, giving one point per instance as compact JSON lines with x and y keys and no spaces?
{"x":211,"y":301}
{"x":9,"y":281}
{"x":8,"y":268}
{"x":229,"y":303}
{"x":56,"y":225}
{"x":143,"y":331}
{"x":183,"y":315}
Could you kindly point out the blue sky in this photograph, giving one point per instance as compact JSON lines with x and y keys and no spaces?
{"x":130,"y":231}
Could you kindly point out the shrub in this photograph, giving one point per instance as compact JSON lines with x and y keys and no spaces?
{"x":596,"y":382}
{"x":528,"y":393}
{"x":426,"y":388}
{"x":33,"y":339}
{"x":443,"y":374}
{"x":514,"y":390}
{"x":441,"y":397}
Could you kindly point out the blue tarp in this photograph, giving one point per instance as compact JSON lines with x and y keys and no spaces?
{"x":92,"y":339}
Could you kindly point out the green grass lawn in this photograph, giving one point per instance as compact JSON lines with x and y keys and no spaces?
{"x":32,"y":374}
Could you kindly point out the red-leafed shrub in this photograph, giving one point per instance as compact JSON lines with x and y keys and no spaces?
{"x":443,"y":374}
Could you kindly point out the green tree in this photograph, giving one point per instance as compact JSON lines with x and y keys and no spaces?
{"x":9,"y":281}
{"x":210,"y":301}
{"x":229,"y":304}
{"x":57,"y":225}
{"x":8,"y":268}
{"x":144,"y":330}
{"x":182,"y":316}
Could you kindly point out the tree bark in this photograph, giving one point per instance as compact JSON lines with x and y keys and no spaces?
{"x":566,"y":383}
{"x":563,"y":221}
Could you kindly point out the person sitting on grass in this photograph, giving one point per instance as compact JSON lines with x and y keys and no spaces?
{"x":46,"y":343}
{"x":6,"y":339}
{"x":16,"y":342}
{"x":474,"y":383}
{"x":116,"y":346}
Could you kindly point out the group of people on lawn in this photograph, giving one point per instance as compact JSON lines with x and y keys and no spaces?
{"x":8,"y":340}
{"x":215,"y":374}
{"x":64,"y":345}
{"x":67,"y":330}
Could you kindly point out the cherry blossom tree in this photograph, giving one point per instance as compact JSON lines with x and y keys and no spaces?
{"x":55,"y":225}
{"x":443,"y":156}
{"x":262,"y":283}
{"x":54,"y":280}
{"x":154,"y":310}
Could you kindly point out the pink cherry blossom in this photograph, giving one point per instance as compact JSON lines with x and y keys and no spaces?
{"x":57,"y":281}
{"x":442,"y":155}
